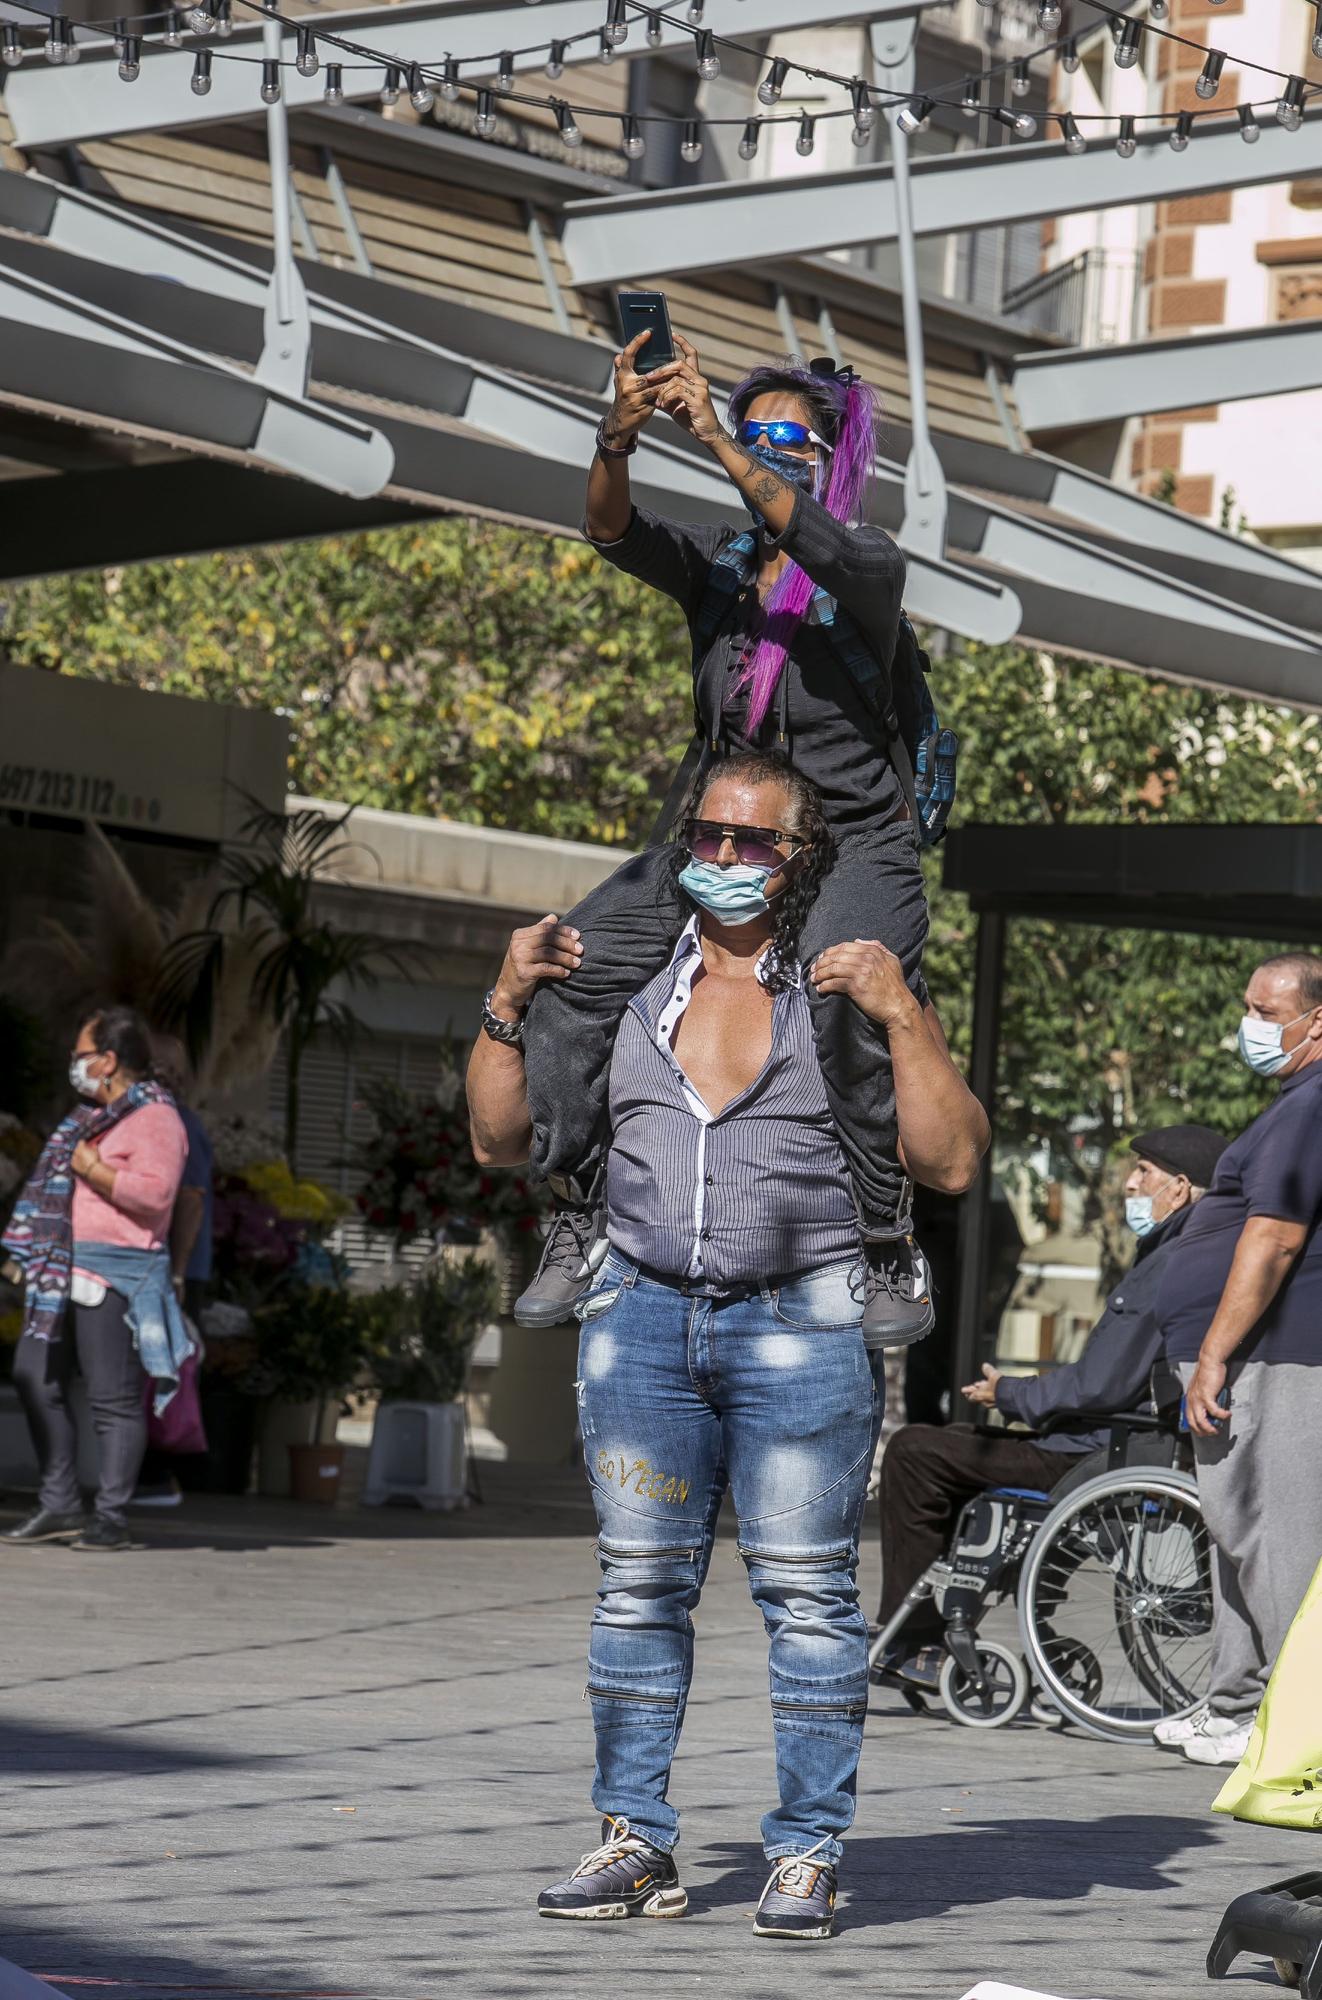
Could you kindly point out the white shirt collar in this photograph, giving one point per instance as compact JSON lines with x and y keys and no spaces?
{"x":690,"y":941}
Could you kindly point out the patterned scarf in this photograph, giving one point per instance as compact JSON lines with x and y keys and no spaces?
{"x":40,"y":1231}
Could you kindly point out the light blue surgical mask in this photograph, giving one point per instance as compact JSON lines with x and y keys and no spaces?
{"x":735,"y":895}
{"x":1260,"y":1043}
{"x":1138,"y":1214}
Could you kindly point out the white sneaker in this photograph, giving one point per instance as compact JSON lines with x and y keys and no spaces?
{"x":1221,"y":1740}
{"x":1173,"y":1731}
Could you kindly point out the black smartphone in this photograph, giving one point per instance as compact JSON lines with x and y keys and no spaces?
{"x":647,"y":312}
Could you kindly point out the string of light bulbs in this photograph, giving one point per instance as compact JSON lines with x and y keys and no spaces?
{"x":426,"y":81}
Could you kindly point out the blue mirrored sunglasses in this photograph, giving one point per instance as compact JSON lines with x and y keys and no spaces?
{"x":778,"y":430}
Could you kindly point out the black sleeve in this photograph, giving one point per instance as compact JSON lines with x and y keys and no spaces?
{"x":673,"y":556}
{"x":1111,"y":1374}
{"x":861,"y":568}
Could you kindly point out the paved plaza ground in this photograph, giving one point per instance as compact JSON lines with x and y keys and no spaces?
{"x":282,"y":1750}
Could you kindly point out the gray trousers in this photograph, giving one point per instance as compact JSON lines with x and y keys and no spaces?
{"x":629,"y":926}
{"x":1260,"y":1487}
{"x":102,"y":1341}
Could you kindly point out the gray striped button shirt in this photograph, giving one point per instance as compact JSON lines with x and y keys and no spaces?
{"x":723,"y":1200}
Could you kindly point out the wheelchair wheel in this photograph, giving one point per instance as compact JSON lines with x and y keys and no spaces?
{"x":1004,"y":1689}
{"x":1115,"y":1600}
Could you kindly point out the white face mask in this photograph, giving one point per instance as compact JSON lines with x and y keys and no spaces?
{"x":81,"y":1078}
{"x":1260,"y":1042}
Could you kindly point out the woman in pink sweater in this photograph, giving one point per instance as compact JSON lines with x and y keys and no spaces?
{"x":116,"y":1188}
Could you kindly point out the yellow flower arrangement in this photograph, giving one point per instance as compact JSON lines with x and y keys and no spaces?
{"x":294,"y":1200}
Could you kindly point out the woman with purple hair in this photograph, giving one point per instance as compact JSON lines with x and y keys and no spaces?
{"x":771,"y":613}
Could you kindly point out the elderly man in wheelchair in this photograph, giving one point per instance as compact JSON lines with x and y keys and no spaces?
{"x":1084,"y":1517}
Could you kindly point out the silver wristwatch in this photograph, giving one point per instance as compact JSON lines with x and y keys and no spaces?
{"x":501,"y":1031}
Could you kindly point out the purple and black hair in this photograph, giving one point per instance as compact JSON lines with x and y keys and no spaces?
{"x":844,"y":410}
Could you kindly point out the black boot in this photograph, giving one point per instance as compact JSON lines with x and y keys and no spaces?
{"x":575,"y":1251}
{"x":45,"y":1526}
{"x":897,"y":1293}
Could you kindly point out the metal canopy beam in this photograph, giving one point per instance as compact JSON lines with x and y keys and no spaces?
{"x":1094,"y":385}
{"x":693,"y":229}
{"x":62,"y":106}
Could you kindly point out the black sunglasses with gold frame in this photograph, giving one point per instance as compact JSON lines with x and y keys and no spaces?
{"x":755,"y":846}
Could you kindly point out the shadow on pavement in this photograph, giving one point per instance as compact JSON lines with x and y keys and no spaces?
{"x":36,"y":1749}
{"x":902,"y":1880}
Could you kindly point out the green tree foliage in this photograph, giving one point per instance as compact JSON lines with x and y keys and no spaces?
{"x":490,"y":675}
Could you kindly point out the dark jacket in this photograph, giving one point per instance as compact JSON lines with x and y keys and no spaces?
{"x":1111,"y":1375}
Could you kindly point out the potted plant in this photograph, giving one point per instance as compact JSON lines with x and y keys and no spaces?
{"x":310,"y":1349}
{"x":420,"y":1338}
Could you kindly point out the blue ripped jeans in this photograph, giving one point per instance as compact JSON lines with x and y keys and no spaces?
{"x":775,"y":1396}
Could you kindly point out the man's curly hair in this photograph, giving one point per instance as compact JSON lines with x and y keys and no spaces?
{"x":805,"y":819}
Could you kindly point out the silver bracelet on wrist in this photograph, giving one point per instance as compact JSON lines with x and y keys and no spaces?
{"x":510,"y":1032}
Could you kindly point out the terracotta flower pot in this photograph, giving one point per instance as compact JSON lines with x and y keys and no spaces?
{"x":315,"y":1471}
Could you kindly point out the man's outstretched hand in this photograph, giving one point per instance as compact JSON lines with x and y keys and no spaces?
{"x":548,"y":950}
{"x":983,"y":1393}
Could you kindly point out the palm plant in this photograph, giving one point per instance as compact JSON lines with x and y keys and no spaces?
{"x":267,"y":896}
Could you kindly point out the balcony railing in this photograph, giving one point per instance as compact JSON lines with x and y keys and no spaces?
{"x":1090,"y":301}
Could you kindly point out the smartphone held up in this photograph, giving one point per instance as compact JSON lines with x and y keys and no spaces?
{"x":647,"y":312}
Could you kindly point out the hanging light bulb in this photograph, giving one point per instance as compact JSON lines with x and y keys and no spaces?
{"x":1208,"y":82}
{"x":690,"y":146}
{"x":569,"y":132}
{"x":505,"y":74}
{"x":1317,"y":32}
{"x":915,"y":116}
{"x":1249,"y":129}
{"x":201,"y":19}
{"x":172,"y":34}
{"x":1290,"y":105}
{"x":1128,"y":43}
{"x":655,"y":37}
{"x":73,"y":51}
{"x":1048,"y":16}
{"x":56,"y":47}
{"x":1021,"y":123}
{"x":616,"y":30}
{"x":1069,"y":55}
{"x":12,"y":54}
{"x":694,"y":15}
{"x":555,"y":61}
{"x":1070,"y":133}
{"x":224,"y":20}
{"x":1126,"y":145}
{"x":334,"y":91}
{"x":1159,"y":9}
{"x":201,"y":80}
{"x":970,"y":103}
{"x":121,"y":36}
{"x":768,"y":91}
{"x":1179,"y":140}
{"x":390,"y":87}
{"x":633,"y":145}
{"x":605,"y":48}
{"x":748,"y":143}
{"x":1020,"y":80}
{"x":807,"y":138}
{"x":130,"y":62}
{"x":709,"y":63}
{"x":420,"y":94}
{"x":305,"y":62}
{"x":270,"y":81}
{"x":864,"y":115}
{"x":485,"y":122}
{"x":448,"y":88}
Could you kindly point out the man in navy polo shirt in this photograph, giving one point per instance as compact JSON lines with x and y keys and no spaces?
{"x":1240,"y":1308}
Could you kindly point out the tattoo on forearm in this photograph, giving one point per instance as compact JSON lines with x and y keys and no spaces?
{"x":767,"y":489}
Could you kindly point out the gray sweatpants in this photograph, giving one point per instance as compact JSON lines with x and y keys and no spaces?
{"x":1260,"y":1487}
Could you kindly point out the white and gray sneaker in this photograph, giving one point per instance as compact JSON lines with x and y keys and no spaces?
{"x":1174,"y":1731}
{"x":799,"y":1899}
{"x":625,"y":1877}
{"x":1221,"y":1740}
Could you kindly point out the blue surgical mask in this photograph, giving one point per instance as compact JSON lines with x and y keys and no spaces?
{"x":1138,"y":1214}
{"x":800,"y":472}
{"x":1260,"y":1043}
{"x":735,"y":895}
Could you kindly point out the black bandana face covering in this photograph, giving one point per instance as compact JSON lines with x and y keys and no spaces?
{"x":800,"y":472}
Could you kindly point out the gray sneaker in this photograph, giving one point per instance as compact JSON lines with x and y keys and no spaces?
{"x":625,"y":1877}
{"x":799,"y":1899}
{"x":897,"y":1293}
{"x":575,"y":1251}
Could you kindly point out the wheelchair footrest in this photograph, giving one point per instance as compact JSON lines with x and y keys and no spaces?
{"x":1283,"y":1922}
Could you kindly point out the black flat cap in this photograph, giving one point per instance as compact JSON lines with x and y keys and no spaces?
{"x":1191,"y":1150}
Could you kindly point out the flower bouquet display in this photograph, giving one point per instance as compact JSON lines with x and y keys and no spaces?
{"x":421,"y":1181}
